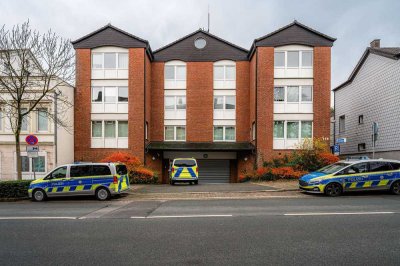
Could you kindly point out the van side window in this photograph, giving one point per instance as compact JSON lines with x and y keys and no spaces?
{"x":121,"y":169}
{"x":80,"y":170}
{"x":101,"y":170}
{"x":379,"y":166}
{"x":395,"y":166}
{"x":58,"y":173}
{"x":357,"y":168}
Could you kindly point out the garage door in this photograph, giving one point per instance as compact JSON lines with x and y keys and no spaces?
{"x":214,"y":171}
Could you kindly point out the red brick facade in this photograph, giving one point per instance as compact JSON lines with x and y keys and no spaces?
{"x":254,"y":104}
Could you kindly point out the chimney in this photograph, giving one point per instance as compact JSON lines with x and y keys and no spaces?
{"x":375,"y":43}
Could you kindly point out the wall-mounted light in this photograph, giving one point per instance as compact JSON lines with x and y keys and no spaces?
{"x":153,"y":158}
{"x":245,"y":159}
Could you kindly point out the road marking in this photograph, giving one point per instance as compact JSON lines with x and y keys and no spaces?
{"x":182,"y":216}
{"x":38,"y":218}
{"x":334,"y":213}
{"x":105,"y":210}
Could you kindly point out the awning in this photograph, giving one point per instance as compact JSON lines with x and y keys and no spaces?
{"x":200,"y":146}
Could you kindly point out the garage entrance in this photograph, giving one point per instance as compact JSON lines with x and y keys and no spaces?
{"x":214,"y":171}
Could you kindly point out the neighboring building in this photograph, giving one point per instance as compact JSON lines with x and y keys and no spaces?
{"x":201,"y":97}
{"x":371,"y":94}
{"x":55,"y":143}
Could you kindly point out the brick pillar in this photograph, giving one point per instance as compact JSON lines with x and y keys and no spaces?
{"x":242,"y":102}
{"x":157,"y":102}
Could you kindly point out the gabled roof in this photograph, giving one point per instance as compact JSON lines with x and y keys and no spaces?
{"x":294,"y":33}
{"x":388,"y":52}
{"x":110,"y":35}
{"x":216,"y":49}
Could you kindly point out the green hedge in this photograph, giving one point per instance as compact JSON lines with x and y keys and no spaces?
{"x":14,"y":189}
{"x":143,"y":179}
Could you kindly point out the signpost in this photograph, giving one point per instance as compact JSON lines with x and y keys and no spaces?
{"x":32,"y":150}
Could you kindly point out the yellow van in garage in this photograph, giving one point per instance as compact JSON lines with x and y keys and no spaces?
{"x":184,"y":170}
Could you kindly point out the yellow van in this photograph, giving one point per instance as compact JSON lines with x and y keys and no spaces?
{"x":184,"y":170}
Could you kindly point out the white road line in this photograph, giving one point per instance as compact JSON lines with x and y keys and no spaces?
{"x":182,"y":216}
{"x":37,"y":218}
{"x":334,"y":213}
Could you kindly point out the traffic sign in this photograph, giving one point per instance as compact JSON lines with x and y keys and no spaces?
{"x":31,"y":140}
{"x":32,"y":148}
{"x":336,"y":149}
{"x":341,"y":140}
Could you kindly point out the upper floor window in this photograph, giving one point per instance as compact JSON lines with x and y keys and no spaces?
{"x":293,"y":59}
{"x":109,"y":60}
{"x":110,"y":94}
{"x":224,"y":75}
{"x":224,"y":133}
{"x":42,"y":120}
{"x":25,"y":123}
{"x":175,"y":102}
{"x":175,"y":75}
{"x":361,"y":119}
{"x":110,"y":134}
{"x":224,"y":102}
{"x":293,"y":94}
{"x":342,"y":123}
{"x":1,"y":119}
{"x":175,"y":133}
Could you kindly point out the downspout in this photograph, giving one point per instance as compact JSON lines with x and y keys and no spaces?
{"x":144,"y":107}
{"x":256,"y":113}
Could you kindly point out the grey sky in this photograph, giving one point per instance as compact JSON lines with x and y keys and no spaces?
{"x":353,"y":23}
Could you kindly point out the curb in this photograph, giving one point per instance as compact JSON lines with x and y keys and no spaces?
{"x":13,"y":199}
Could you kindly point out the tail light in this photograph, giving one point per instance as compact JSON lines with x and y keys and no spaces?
{"x":197,"y":170}
{"x":115,"y":181}
{"x":173,"y":169}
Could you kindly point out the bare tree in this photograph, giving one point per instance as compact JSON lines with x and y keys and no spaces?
{"x":32,"y":68}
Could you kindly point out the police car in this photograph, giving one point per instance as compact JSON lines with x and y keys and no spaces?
{"x":345,"y":176}
{"x":184,"y":170}
{"x":99,"y":179}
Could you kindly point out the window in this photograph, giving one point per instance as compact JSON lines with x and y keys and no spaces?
{"x":342,"y":125}
{"x":110,"y":60}
{"x":306,"y":129}
{"x":122,"y":129}
{"x":24,"y":124}
{"x":30,"y":165}
{"x":200,"y":43}
{"x":361,"y":119}
{"x":109,"y":129}
{"x":292,"y":130}
{"x":58,"y":173}
{"x":253,"y":131}
{"x":184,"y":163}
{"x":121,"y":169}
{"x":361,"y":147}
{"x":97,"y":129}
{"x":292,"y":94}
{"x":122,"y":94}
{"x":292,"y":59}
{"x":175,"y":72}
{"x":97,"y":94}
{"x":147,"y":130}
{"x":224,"y":133}
{"x":224,"y":102}
{"x":175,"y":133}
{"x":357,"y":169}
{"x":80,"y":170}
{"x":110,"y":94}
{"x":25,"y":164}
{"x":379,"y":166}
{"x":395,"y":166}
{"x":43,"y":124}
{"x":307,"y":59}
{"x":279,"y":131}
{"x":279,"y":94}
{"x":279,"y":59}
{"x":98,"y":170}
{"x":175,"y":102}
{"x":306,"y":94}
{"x":224,"y":72}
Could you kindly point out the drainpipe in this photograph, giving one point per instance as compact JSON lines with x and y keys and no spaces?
{"x":144,"y":107}
{"x":256,"y":113}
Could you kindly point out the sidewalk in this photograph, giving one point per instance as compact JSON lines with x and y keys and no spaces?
{"x":249,"y":190}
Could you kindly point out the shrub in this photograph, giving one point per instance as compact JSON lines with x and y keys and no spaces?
{"x":143,"y":176}
{"x":14,"y":189}
{"x":131,"y":162}
{"x":286,"y":173}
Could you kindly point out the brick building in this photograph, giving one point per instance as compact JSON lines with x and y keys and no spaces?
{"x":201,"y":97}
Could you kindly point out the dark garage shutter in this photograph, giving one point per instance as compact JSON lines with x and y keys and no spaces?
{"x":214,"y":171}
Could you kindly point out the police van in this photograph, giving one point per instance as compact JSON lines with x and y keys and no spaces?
{"x":184,"y":170}
{"x":345,"y":176}
{"x":101,"y":180}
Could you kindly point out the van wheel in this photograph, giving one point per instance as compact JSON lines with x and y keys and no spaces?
{"x":102,"y":194}
{"x":172,"y":182}
{"x":395,"y":188}
{"x":39,"y":195}
{"x":196,"y":182}
{"x":333,"y":190}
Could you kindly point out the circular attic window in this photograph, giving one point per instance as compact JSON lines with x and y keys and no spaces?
{"x":200,"y":43}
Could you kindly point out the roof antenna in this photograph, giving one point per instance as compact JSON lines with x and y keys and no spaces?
{"x":208,"y":14}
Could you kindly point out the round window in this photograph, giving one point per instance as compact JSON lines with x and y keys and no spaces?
{"x":200,"y":43}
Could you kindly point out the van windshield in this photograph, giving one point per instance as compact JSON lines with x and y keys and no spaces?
{"x":121,"y":169}
{"x":333,"y":168}
{"x":185,"y":163}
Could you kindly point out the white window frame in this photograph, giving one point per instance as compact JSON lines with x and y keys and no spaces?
{"x":30,"y":172}
{"x":224,"y":102}
{"x":175,"y":102}
{"x":342,"y":127}
{"x":103,"y":138}
{"x":116,"y":60}
{"x":175,"y":65}
{"x":224,"y":133}
{"x":175,"y":139}
{"x":299,"y":138}
{"x":103,"y":94}
{"x":37,"y":120}
{"x":1,"y":123}
{"x":227,"y":83}
{"x":300,"y":59}
{"x":300,"y":89}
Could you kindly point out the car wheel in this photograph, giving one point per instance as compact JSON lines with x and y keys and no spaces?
{"x":333,"y":190}
{"x":38,"y":195}
{"x":102,"y":194}
{"x":395,"y":188}
{"x":172,"y":182}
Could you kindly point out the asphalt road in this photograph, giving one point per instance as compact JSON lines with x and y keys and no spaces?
{"x":350,"y":230}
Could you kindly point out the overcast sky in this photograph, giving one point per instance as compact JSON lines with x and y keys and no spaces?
{"x":353,"y":23}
